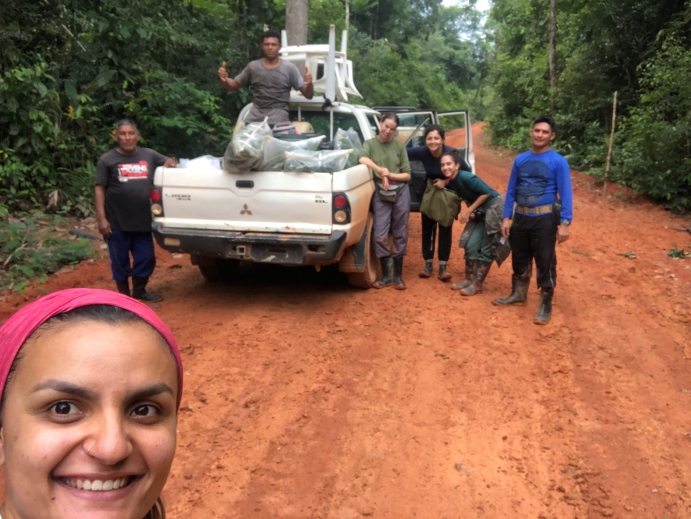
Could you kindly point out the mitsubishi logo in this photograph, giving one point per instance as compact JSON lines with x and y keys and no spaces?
{"x":245,"y":210}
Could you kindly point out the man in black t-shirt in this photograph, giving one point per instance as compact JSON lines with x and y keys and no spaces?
{"x":123,"y":184}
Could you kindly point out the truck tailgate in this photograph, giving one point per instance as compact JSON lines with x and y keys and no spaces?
{"x":256,"y":201}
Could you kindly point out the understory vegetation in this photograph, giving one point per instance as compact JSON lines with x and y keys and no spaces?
{"x":31,"y":247}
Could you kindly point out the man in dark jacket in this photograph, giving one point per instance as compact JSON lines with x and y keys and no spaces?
{"x":123,"y":185}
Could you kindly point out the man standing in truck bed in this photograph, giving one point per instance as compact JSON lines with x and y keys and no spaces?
{"x":272,"y":78}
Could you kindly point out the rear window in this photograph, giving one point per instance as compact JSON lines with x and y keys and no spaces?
{"x":320,"y":122}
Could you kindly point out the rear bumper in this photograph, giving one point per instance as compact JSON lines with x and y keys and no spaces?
{"x":286,"y":249}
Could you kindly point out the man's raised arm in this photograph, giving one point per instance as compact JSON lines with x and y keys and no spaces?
{"x":228,"y":82}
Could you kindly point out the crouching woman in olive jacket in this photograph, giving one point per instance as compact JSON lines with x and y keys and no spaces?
{"x":479,"y":239}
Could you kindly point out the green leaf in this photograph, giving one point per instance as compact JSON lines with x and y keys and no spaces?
{"x":71,"y":90}
{"x":103,"y":78}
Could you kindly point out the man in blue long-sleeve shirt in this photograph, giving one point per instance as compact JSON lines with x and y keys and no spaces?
{"x":540,"y":180}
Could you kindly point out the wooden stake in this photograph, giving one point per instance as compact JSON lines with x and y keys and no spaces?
{"x":611,"y":140}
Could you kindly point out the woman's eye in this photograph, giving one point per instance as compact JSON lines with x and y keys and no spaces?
{"x":64,"y":408}
{"x":145,"y":410}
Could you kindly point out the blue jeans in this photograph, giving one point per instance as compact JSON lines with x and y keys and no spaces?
{"x":141,"y":245}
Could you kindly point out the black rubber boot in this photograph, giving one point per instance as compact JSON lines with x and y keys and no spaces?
{"x":519,"y":291}
{"x":470,"y":269}
{"x":444,"y":275}
{"x":545,"y":310}
{"x":139,"y":290}
{"x":480,"y":275}
{"x":398,"y":273}
{"x":386,"y":270}
{"x":429,"y":268}
{"x":124,"y":287}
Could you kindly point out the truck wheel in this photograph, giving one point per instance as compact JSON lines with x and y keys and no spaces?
{"x":366,"y":277}
{"x":216,"y":270}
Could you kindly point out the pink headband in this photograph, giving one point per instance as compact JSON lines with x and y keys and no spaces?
{"x":18,"y":328}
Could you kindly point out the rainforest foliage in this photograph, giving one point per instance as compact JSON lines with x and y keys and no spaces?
{"x":70,"y":68}
{"x":638,"y":48}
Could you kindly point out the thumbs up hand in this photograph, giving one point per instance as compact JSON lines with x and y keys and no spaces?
{"x":308,"y":76}
{"x":222,"y":72}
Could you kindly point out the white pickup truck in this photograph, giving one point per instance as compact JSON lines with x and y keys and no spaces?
{"x":290,"y":218}
{"x":282,"y":217}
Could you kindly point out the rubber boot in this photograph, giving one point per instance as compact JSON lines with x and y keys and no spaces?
{"x":429,"y":268}
{"x":476,"y":287}
{"x":519,"y":292}
{"x":139,"y":290}
{"x":470,"y":268}
{"x":386,"y":270}
{"x":545,"y":310}
{"x":124,"y":287}
{"x":398,"y":273}
{"x":443,"y":274}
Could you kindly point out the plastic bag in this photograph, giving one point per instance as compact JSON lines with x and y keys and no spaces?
{"x":349,"y":140}
{"x":307,"y":161}
{"x":246,"y":149}
{"x":205,"y":162}
{"x":275,"y":149}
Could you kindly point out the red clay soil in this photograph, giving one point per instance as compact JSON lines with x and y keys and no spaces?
{"x":305,"y":398}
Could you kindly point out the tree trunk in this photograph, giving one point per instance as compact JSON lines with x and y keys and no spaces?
{"x":296,"y":22}
{"x":553,"y":52}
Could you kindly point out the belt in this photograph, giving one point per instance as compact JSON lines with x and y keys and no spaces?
{"x":544,"y":209}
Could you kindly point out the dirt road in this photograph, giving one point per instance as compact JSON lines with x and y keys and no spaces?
{"x":307,"y":399}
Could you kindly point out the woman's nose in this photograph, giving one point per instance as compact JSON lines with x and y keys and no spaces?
{"x":110,"y":442}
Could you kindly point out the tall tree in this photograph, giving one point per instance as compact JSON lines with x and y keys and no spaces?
{"x":296,"y":22}
{"x":553,"y":52}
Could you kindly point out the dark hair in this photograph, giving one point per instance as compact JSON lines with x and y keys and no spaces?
{"x":158,"y":511}
{"x":435,"y":128}
{"x":271,"y":34}
{"x":453,"y":153}
{"x":125,"y":122}
{"x":392,"y":116}
{"x":107,"y":314}
{"x":545,"y":119}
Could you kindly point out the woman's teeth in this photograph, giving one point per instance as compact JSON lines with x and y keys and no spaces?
{"x":97,"y":485}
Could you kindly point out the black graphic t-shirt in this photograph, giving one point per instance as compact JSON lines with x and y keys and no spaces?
{"x":128,"y":179}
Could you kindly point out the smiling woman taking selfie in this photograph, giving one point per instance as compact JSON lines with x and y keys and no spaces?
{"x":91,"y":383}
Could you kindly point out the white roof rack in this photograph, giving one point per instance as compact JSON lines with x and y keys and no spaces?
{"x":336,"y":82}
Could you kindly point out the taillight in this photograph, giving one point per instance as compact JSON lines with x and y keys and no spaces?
{"x":156,"y":201}
{"x":341,"y":208}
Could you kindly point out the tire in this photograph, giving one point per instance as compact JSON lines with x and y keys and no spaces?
{"x":218,"y":270}
{"x":366,"y":278}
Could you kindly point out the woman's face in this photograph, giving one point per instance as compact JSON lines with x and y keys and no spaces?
{"x":448,"y":166}
{"x":88,"y":428}
{"x":433,"y":141}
